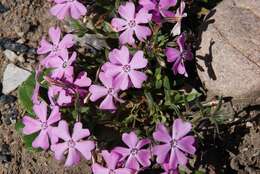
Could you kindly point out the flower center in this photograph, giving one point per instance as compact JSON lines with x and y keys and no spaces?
{"x":173,"y":143}
{"x":55,"y":48}
{"x":64,"y":65}
{"x":112,"y":172}
{"x":44,"y":125}
{"x":134,"y":151}
{"x":110,"y":91}
{"x":131,"y":24}
{"x":71,"y":143}
{"x":184,"y":54}
{"x":126,"y":68}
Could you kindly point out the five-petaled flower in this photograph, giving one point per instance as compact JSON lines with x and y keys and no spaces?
{"x":62,"y":65}
{"x":179,"y":56}
{"x":174,"y":147}
{"x":107,"y":90}
{"x":159,"y":8}
{"x":124,"y":68}
{"x":135,"y":155}
{"x":111,"y":160}
{"x":74,"y":145}
{"x":42,"y":124}
{"x":65,"y":7}
{"x":131,"y":23}
{"x":58,"y":45}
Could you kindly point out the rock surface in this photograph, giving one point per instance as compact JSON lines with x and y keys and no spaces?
{"x":13,"y":77}
{"x":229,"y":58}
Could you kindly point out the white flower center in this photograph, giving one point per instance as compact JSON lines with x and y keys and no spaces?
{"x":44,"y":125}
{"x":71,"y":143}
{"x":126,"y":68}
{"x":64,"y":65}
{"x":134,"y":151}
{"x":131,"y":24}
{"x":173,"y":143}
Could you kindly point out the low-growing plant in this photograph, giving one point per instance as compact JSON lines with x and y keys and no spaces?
{"x":113,"y":86}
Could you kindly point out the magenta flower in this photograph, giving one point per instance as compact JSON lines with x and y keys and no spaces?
{"x":158,"y":8}
{"x":124,"y":69}
{"x":178,"y":18}
{"x":179,"y":56}
{"x":131,"y":23}
{"x":42,"y":124}
{"x":168,"y":169}
{"x":57,"y":46}
{"x":59,"y":96}
{"x":65,"y":7}
{"x":111,"y":160}
{"x":107,"y":90}
{"x":135,"y":154}
{"x":175,"y":147}
{"x":62,"y":65}
{"x":74,"y":145}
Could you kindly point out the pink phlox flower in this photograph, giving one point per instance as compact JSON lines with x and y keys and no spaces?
{"x":74,"y":145}
{"x":178,"y":18}
{"x":135,"y":155}
{"x":63,"y":93}
{"x":175,"y":147}
{"x":168,"y":169}
{"x":64,"y":8}
{"x":131,"y":23}
{"x":111,"y":160}
{"x":107,"y":90}
{"x":179,"y":56}
{"x":159,"y":8}
{"x":57,"y":45}
{"x":43,"y":124}
{"x":62,"y":65}
{"x":124,"y":68}
{"x":59,"y":96}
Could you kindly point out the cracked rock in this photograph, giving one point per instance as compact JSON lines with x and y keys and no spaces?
{"x":229,"y":57}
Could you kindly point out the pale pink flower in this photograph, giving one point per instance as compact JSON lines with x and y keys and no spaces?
{"x":131,"y":23}
{"x":135,"y":155}
{"x":108,"y":91}
{"x":74,"y":145}
{"x":62,"y":65}
{"x":64,"y":8}
{"x":57,"y":45}
{"x":43,"y":124}
{"x":123,"y":68}
{"x":159,"y":8}
{"x":174,"y":147}
{"x":111,"y":160}
{"x":64,"y":91}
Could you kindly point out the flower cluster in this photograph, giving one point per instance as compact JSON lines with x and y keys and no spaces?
{"x":171,"y":151}
{"x":125,"y":68}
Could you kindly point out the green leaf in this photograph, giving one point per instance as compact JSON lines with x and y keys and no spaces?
{"x":28,"y":139}
{"x":25,"y":93}
{"x":19,"y":126}
{"x":166,"y":83}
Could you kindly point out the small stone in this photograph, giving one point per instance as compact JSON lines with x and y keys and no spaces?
{"x":21,"y":59}
{"x":10,"y":55}
{"x":3,"y":8}
{"x":249,"y":124}
{"x":13,"y":77}
{"x":4,"y":99}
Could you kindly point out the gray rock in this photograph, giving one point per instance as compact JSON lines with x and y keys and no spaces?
{"x":10,"y":55}
{"x":229,"y":58}
{"x":13,"y":77}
